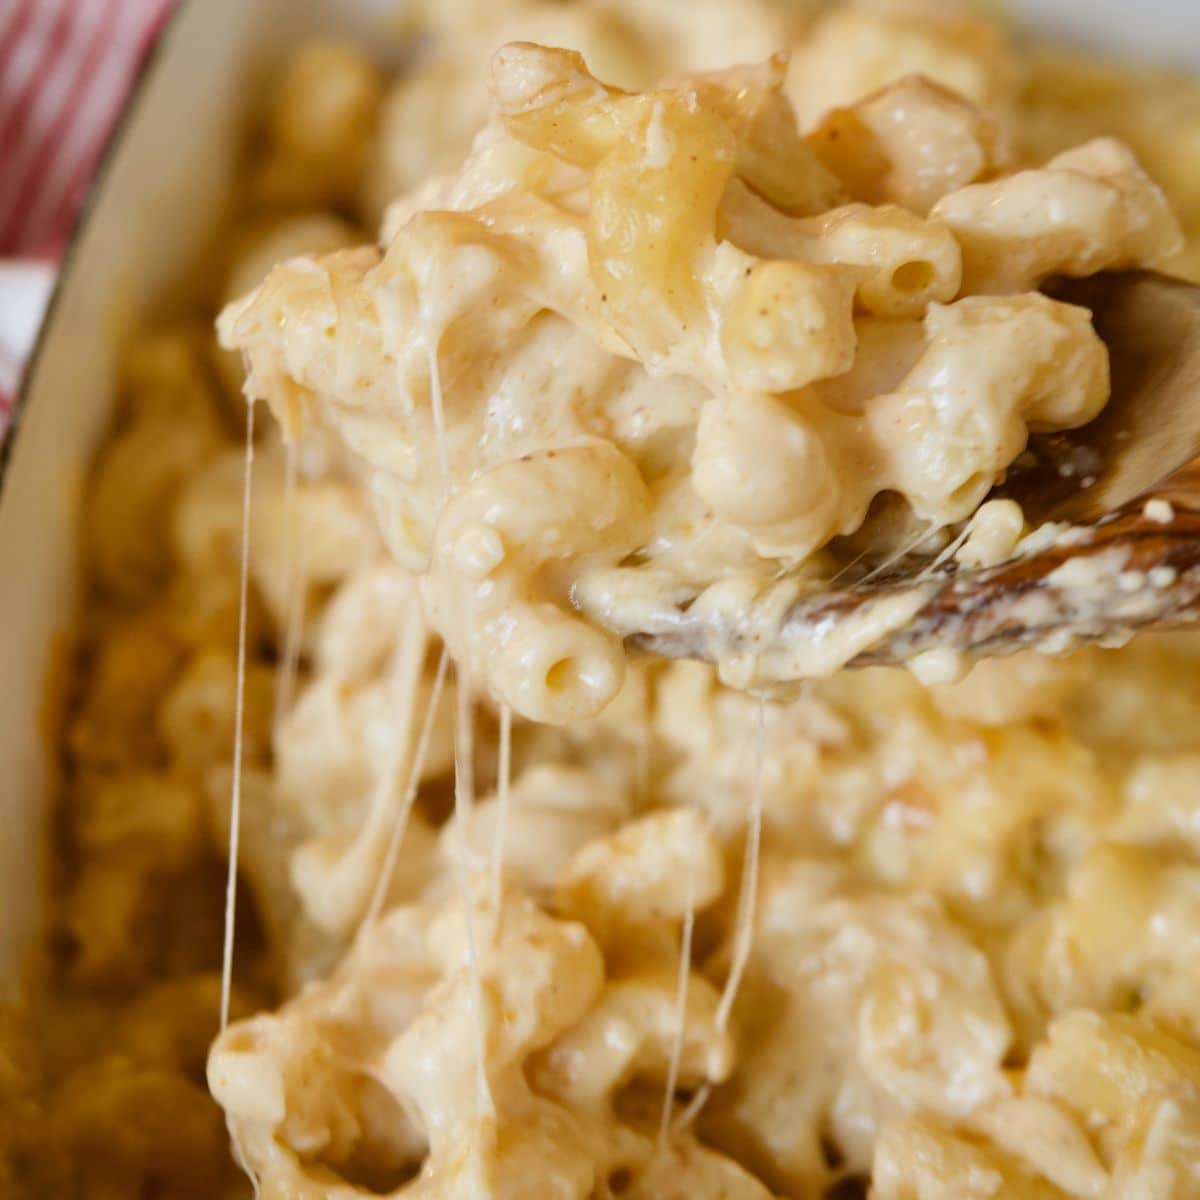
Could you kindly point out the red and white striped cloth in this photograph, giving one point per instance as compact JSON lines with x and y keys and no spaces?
{"x":66,"y":67}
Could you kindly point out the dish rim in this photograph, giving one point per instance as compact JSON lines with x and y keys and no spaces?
{"x":150,"y":61}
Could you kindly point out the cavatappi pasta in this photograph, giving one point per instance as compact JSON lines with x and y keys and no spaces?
{"x":511,"y":927}
{"x":693,"y":239}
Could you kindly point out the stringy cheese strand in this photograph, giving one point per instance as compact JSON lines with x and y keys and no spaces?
{"x":694,"y":1108}
{"x":642,"y":746}
{"x":747,"y":904}
{"x":464,"y":772}
{"x":464,"y":798}
{"x":404,"y":685}
{"x":910,"y":547}
{"x":235,"y":798}
{"x":285,"y":681}
{"x":503,"y":788}
{"x":681,"y":992}
{"x":383,"y":883}
{"x":748,"y":899}
{"x":439,"y":417}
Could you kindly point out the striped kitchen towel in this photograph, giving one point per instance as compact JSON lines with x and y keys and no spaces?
{"x":66,"y":67}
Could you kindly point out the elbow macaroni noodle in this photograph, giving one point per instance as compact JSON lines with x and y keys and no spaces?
{"x":697,"y":326}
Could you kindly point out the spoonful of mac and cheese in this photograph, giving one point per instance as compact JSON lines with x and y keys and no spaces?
{"x":666,"y":369}
{"x":1093,"y":535}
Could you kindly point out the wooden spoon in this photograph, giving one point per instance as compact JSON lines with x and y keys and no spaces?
{"x":1124,"y":565}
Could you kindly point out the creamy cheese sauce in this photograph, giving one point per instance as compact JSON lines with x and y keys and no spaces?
{"x":583,"y":926}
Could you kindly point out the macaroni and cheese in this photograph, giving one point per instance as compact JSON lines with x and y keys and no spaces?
{"x":522,"y":917}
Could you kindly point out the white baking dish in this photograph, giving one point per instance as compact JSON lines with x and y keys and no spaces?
{"x":163,"y":186}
